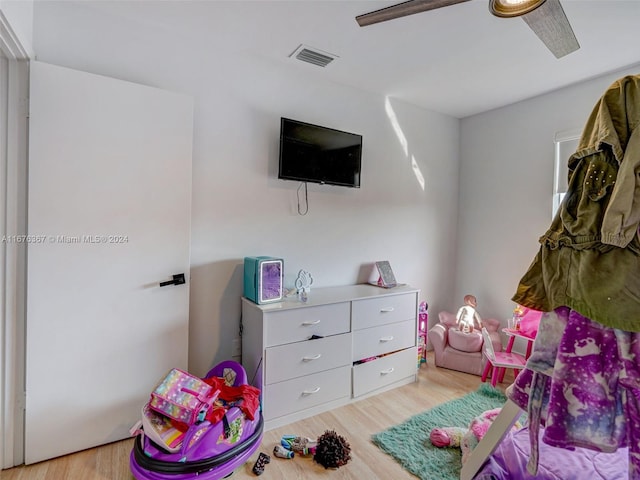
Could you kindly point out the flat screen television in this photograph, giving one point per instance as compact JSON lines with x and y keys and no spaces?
{"x":311,"y":153}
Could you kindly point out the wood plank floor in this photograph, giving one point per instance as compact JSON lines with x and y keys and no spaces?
{"x":356,"y":422}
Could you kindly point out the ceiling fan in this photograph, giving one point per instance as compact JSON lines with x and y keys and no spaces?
{"x":545,"y":17}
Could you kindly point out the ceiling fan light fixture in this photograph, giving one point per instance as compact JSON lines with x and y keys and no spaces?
{"x":513,"y":8}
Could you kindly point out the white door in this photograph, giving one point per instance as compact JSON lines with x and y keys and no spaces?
{"x":108,"y":219}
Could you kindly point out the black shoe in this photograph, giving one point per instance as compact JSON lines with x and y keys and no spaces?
{"x":262,"y":460}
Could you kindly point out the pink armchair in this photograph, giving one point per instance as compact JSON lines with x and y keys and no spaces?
{"x":460,"y":351}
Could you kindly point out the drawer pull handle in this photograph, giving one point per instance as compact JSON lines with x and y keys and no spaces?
{"x":387,"y":371}
{"x":315,"y":357}
{"x":386,"y":310}
{"x":311,"y":392}
{"x":386,"y":339}
{"x":308,"y":324}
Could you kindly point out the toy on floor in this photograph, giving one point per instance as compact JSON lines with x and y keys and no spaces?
{"x":447,"y":436}
{"x":262,"y":460}
{"x":300,"y":445}
{"x":332,"y":450}
{"x":466,"y":438}
{"x":210,"y":449}
{"x":281,"y":452}
{"x":467,"y":317}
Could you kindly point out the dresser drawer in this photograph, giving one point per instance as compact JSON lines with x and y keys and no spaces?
{"x":383,"y":339}
{"x":297,"y":324}
{"x":371,"y":312}
{"x":305,"y":392}
{"x":384,"y":371}
{"x":303,"y":358}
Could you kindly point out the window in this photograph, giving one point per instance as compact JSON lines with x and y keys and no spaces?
{"x":566,"y":143}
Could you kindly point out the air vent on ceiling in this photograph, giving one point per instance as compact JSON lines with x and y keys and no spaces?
{"x":315,"y":56}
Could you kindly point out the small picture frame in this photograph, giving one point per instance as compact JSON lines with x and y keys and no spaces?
{"x":387,"y":279}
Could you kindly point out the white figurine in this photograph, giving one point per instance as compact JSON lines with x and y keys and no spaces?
{"x":467,"y":317}
{"x":303,"y":282}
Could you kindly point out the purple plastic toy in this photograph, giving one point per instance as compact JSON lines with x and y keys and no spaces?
{"x":223,"y":446}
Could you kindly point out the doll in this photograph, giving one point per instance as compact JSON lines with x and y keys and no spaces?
{"x":467,"y":317}
{"x":467,"y":438}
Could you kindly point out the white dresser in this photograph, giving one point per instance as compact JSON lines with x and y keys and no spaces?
{"x":364,"y":342}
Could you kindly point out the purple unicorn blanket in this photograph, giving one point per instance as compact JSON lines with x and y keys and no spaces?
{"x":582,"y":382}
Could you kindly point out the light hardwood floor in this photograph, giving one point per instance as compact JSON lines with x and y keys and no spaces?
{"x":356,"y":422}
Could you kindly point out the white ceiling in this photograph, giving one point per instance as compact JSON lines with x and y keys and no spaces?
{"x":459,"y":60}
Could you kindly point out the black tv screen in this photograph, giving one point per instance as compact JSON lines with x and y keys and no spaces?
{"x":311,"y":153}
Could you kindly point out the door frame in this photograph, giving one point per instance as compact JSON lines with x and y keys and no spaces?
{"x":13,"y":198}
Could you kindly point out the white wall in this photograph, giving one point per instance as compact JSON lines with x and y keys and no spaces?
{"x":506,"y":186}
{"x":240,"y":208}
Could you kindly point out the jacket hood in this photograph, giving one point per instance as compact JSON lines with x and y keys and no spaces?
{"x":613,"y":119}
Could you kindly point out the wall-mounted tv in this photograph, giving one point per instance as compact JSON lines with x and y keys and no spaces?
{"x":311,"y":153}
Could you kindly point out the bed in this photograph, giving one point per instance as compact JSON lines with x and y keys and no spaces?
{"x":509,"y":460}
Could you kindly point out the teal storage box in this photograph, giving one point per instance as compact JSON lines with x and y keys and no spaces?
{"x":263,"y":279}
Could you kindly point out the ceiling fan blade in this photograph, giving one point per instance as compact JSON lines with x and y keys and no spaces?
{"x":402,"y":10}
{"x":551,"y":25}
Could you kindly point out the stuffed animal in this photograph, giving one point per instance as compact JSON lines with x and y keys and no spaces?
{"x":332,"y":450}
{"x":466,"y":438}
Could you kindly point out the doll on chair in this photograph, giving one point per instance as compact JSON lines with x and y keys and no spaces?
{"x":467,"y":317}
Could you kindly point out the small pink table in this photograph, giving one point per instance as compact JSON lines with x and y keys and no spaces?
{"x":512,"y":333}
